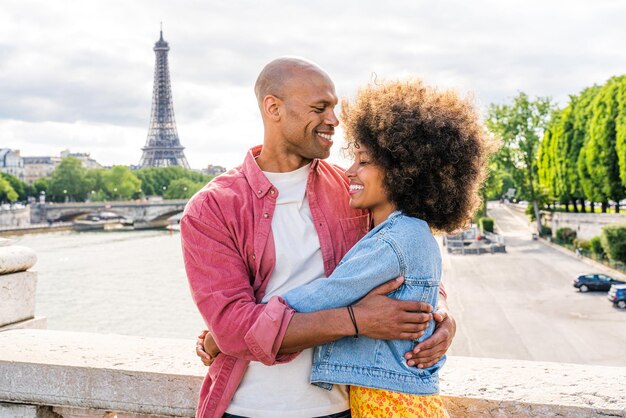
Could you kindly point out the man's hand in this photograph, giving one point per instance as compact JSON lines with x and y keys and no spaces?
{"x":429,"y":351}
{"x":206,"y":348}
{"x":381,"y":317}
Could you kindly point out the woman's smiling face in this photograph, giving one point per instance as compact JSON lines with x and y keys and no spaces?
{"x":366,"y":185}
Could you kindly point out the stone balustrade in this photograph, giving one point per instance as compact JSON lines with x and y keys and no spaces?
{"x":46,"y":374}
{"x":74,"y":374}
{"x":17,"y":287}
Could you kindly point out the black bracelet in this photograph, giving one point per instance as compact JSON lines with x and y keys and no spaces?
{"x":353,"y":318}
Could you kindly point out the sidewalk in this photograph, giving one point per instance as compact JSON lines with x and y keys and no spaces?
{"x":605,"y":269}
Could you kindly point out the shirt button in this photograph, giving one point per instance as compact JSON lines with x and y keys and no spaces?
{"x":272,"y":191}
{"x":266,"y":215}
{"x":260,"y":191}
{"x":254,"y":256}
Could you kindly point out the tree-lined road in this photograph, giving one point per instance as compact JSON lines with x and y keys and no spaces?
{"x":522,"y":305}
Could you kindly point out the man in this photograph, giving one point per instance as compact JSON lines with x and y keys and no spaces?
{"x":279,"y":221}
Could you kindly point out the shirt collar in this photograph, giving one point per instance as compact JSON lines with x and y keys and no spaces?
{"x":257,"y":180}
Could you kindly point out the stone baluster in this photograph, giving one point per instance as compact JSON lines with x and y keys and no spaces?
{"x":17,"y":287}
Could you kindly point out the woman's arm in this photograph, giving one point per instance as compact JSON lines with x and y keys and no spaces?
{"x":370,"y":263}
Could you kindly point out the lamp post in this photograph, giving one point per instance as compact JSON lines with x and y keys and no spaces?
{"x":65,"y":194}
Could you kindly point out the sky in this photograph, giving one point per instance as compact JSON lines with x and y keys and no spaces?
{"x":78,"y":74}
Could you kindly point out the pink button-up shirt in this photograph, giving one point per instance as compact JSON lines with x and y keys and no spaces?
{"x":229,"y":256}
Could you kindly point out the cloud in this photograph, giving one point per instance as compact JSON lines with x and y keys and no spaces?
{"x":78,"y":74}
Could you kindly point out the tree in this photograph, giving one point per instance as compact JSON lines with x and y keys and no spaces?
{"x":7,"y":193}
{"x":182,"y":189}
{"x":22,"y":189}
{"x":156,"y":181}
{"x":520,"y":125}
{"x":120,"y":182}
{"x":601,"y":147}
{"x":69,"y":181}
{"x":578,"y":155}
{"x":620,"y":127}
{"x":40,"y":185}
{"x":546,"y":157}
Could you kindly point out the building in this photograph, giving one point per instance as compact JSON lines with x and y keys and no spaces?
{"x":214,"y":170}
{"x":12,"y":163}
{"x":84,"y":157}
{"x":38,"y":167}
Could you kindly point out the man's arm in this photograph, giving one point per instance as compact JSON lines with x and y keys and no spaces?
{"x":271,"y":333}
{"x":378,"y":316}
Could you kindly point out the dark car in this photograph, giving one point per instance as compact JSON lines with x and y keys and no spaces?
{"x":617,"y":295}
{"x":589,"y":282}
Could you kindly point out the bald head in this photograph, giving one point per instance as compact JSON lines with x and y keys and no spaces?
{"x":278,"y":75}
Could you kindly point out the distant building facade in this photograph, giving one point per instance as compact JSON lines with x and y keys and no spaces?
{"x":214,"y":170}
{"x":12,"y":163}
{"x":38,"y":167}
{"x":84,"y":157}
{"x":33,"y":168}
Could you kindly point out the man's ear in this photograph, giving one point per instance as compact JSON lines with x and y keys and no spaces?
{"x":271,"y":107}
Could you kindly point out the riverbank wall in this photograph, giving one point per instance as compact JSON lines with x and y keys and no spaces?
{"x":15,"y":218}
{"x":36,"y":229}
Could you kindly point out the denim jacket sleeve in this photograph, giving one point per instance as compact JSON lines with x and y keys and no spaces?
{"x":371,"y":262}
{"x":220,"y":286}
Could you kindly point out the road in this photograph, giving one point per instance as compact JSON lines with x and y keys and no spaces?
{"x":522,"y":305}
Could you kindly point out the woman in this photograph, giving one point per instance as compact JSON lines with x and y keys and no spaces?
{"x":419,"y":160}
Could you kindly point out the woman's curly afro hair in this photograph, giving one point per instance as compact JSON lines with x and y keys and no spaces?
{"x":430,"y":144}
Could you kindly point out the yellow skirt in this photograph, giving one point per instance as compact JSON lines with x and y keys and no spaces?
{"x":375,"y":403}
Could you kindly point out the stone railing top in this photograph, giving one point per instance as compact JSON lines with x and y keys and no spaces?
{"x":99,"y":371}
{"x":163,"y":376}
{"x":15,"y":258}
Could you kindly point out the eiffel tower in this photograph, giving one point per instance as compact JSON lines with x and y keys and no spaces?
{"x":163,"y":147}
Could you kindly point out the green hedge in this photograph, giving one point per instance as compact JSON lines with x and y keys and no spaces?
{"x":583,"y":244}
{"x":546,"y":231}
{"x":613,"y":241}
{"x":595,"y":245}
{"x":565,"y":235}
{"x":485,"y":224}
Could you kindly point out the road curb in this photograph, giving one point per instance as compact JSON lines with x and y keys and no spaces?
{"x":593,"y":263}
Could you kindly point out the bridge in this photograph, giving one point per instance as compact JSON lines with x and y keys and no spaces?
{"x":144,"y":214}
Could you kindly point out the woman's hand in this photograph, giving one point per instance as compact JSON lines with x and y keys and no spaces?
{"x":206,"y":348}
{"x":429,"y":351}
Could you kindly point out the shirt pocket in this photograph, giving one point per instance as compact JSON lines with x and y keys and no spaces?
{"x":417,"y":289}
{"x":353,"y":229}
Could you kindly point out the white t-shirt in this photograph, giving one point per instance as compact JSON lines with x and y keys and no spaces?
{"x":283,"y":390}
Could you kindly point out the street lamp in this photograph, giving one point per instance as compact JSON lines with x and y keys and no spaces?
{"x":65,"y":194}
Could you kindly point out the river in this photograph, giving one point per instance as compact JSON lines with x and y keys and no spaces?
{"x":120,"y":282}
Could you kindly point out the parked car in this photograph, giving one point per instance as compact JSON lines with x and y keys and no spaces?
{"x":617,"y":295}
{"x":602,"y":282}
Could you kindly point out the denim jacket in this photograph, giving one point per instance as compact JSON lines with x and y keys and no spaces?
{"x":399,"y":246}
